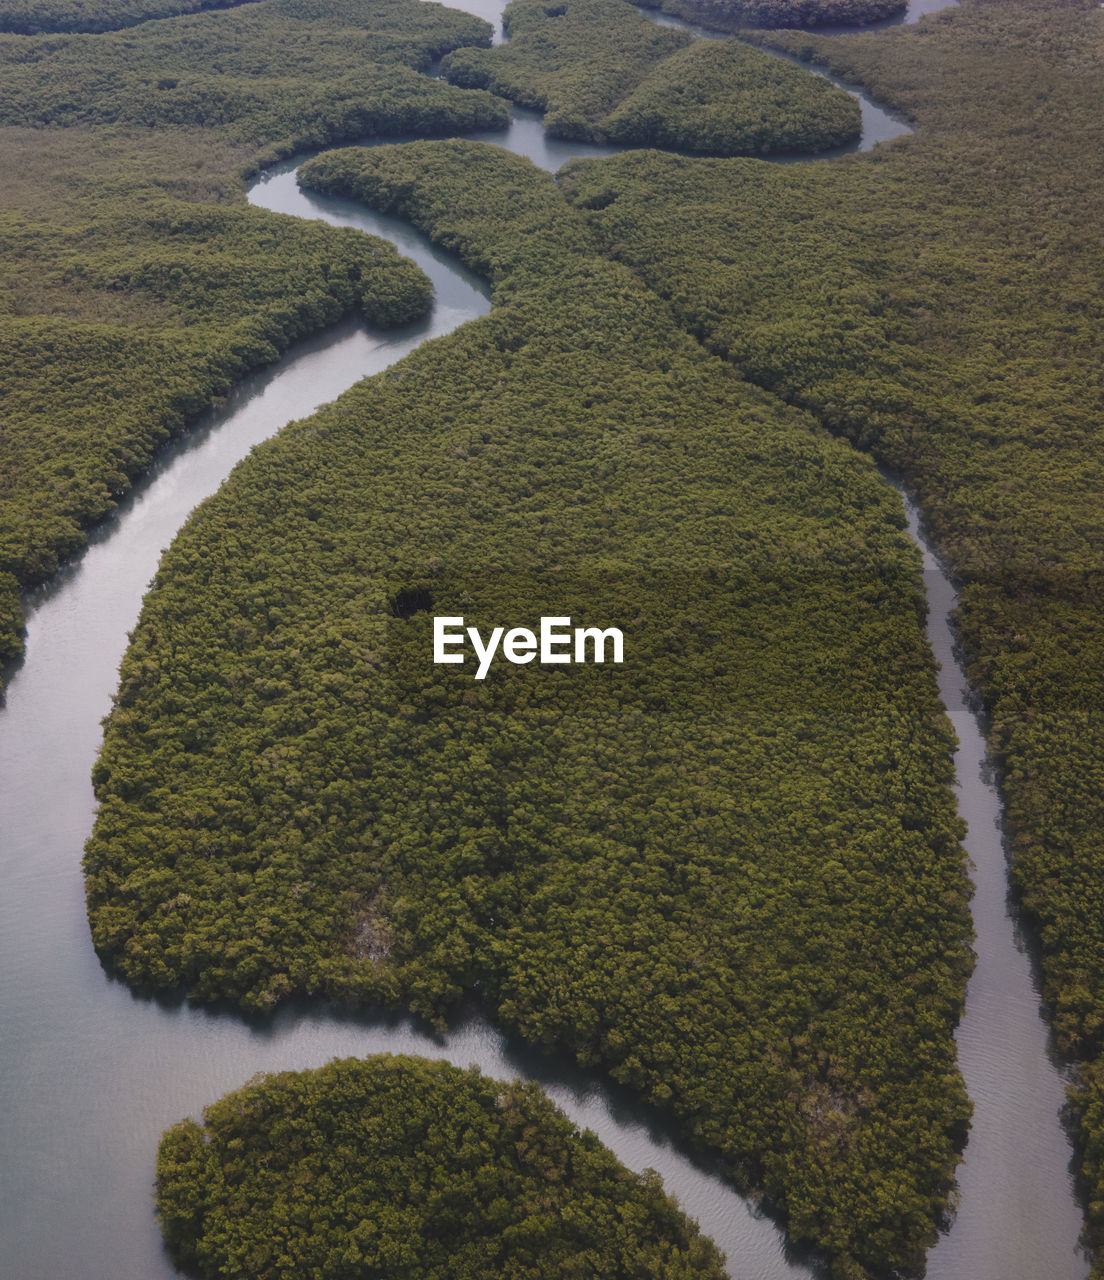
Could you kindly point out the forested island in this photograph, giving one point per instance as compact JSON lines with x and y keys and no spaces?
{"x":406,"y":1168}
{"x":601,"y":73}
{"x":939,"y":303}
{"x":137,"y":285}
{"x":733,"y":880}
{"x":39,"y":17}
{"x":741,"y":15}
{"x":115,"y":146}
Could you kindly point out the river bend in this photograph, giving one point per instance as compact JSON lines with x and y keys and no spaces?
{"x":91,"y":1074}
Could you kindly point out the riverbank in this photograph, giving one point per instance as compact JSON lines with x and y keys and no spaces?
{"x":158,"y":1065}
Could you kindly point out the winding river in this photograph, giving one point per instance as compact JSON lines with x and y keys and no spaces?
{"x":90,"y":1074}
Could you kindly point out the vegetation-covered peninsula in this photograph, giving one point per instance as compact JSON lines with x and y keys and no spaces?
{"x":411,"y":1170}
{"x":122,"y":328}
{"x":129,"y":301}
{"x":600,"y":72}
{"x":737,"y":15}
{"x":939,"y":302}
{"x":278,"y":76}
{"x":41,"y":17}
{"x":109,"y":282}
{"x":728,"y":872}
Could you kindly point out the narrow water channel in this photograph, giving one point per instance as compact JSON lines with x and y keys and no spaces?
{"x":90,"y":1075}
{"x":1016,"y":1168}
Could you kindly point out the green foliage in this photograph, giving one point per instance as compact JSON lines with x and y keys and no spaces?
{"x":603,"y":73}
{"x":1087,"y":1115}
{"x":735,"y":15}
{"x":39,"y":17}
{"x":278,"y":75}
{"x":939,"y":302}
{"x":720,"y":97}
{"x":118,"y":332}
{"x":732,"y":879}
{"x":573,"y":61}
{"x":413,"y":1170}
{"x":123,"y":311}
{"x":728,"y":871}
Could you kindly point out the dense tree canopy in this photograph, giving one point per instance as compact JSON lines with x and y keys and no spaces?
{"x":141,"y":321}
{"x":405,"y":1169}
{"x":124,"y":310}
{"x":719,"y":97}
{"x":601,"y":72}
{"x":939,"y":302}
{"x":727,"y":871}
{"x":278,"y":72}
{"x":38,"y":17}
{"x":735,"y":15}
